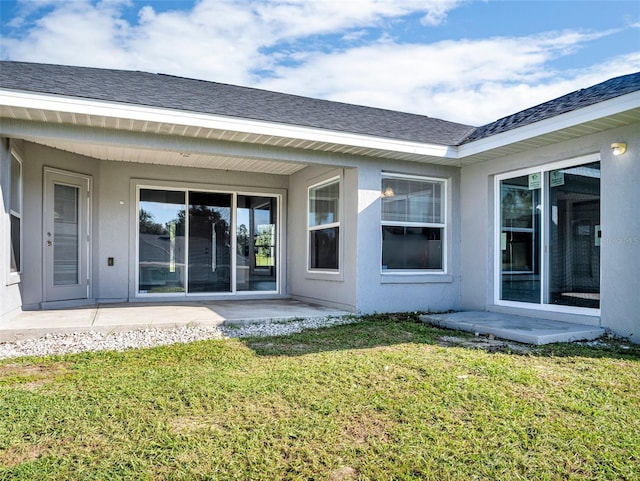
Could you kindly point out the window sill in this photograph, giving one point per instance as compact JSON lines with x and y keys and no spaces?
{"x":405,"y":278}
{"x":324,"y":276}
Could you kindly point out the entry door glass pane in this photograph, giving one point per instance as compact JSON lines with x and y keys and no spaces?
{"x":574,"y":242}
{"x":256,"y":268}
{"x":520,"y":239}
{"x":209,"y":242}
{"x":66,"y":235}
{"x":161,"y":231}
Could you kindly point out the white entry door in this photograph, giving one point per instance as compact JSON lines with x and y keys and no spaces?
{"x":66,"y":245}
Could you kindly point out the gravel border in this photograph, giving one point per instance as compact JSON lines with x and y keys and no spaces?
{"x":76,"y":342}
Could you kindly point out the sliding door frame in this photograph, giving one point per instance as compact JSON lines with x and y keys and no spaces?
{"x":279,"y":194}
{"x":543,"y":305}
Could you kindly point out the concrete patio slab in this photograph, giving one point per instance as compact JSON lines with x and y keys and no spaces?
{"x":131,"y":316}
{"x":528,"y":330}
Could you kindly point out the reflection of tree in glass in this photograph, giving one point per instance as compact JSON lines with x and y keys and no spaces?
{"x":206,"y":216}
{"x":243,"y":240}
{"x":147,"y":226}
{"x":264,"y":241}
{"x":517,"y":206}
{"x":203,"y":212}
{"x":265,"y":245}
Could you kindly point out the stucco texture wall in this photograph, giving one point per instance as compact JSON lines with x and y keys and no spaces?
{"x":620,"y":247}
{"x":335,"y":289}
{"x":361,"y":286}
{"x":398,"y":292}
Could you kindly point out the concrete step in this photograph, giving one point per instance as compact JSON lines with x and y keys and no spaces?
{"x":528,"y":330}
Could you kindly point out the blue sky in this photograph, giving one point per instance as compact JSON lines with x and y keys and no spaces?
{"x":466,"y":61}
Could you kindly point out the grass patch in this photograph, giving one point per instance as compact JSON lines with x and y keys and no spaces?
{"x":379,"y":399}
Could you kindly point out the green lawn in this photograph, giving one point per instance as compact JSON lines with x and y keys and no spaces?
{"x":379,"y":399}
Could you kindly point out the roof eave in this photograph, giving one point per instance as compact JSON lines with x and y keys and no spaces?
{"x":550,"y":130}
{"x":335,"y":141}
{"x":478,"y":150}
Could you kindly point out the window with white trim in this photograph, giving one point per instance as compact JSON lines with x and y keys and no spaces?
{"x":324,"y":226}
{"x":413,"y":223}
{"x":15,"y":215}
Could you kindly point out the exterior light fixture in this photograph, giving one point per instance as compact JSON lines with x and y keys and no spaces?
{"x":618,"y":148}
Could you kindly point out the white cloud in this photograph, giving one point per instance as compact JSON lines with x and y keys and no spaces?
{"x":238,"y":41}
{"x":74,"y":32}
{"x":489,"y":101}
{"x":217,"y":44}
{"x":298,"y":18}
{"x":24,"y":9}
{"x":468,"y":81}
{"x":437,"y":13}
{"x":217,"y":37}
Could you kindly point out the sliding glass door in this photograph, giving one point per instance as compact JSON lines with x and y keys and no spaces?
{"x":574,"y":236}
{"x":256,"y":240}
{"x":549,"y":236}
{"x":161,"y":247}
{"x":209,"y":242}
{"x":520,"y":236}
{"x":185,"y":242}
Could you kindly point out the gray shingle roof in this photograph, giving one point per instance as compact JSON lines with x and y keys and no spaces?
{"x":158,"y":90}
{"x":166,"y":91}
{"x":609,"y":89}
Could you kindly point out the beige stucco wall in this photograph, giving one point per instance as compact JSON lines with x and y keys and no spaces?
{"x":620,"y":247}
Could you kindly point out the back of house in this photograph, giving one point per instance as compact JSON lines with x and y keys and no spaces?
{"x":121,"y":186}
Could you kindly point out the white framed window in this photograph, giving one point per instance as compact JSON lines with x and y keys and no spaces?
{"x":413,"y":224}
{"x":323,"y":239}
{"x":15,"y":217}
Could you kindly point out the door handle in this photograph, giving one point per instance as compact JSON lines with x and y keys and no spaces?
{"x":49,"y":243}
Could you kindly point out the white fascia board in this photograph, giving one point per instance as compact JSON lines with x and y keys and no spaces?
{"x":58,"y":103}
{"x":553,"y":124}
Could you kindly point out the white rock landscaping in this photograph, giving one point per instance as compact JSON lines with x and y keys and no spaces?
{"x":76,"y":342}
